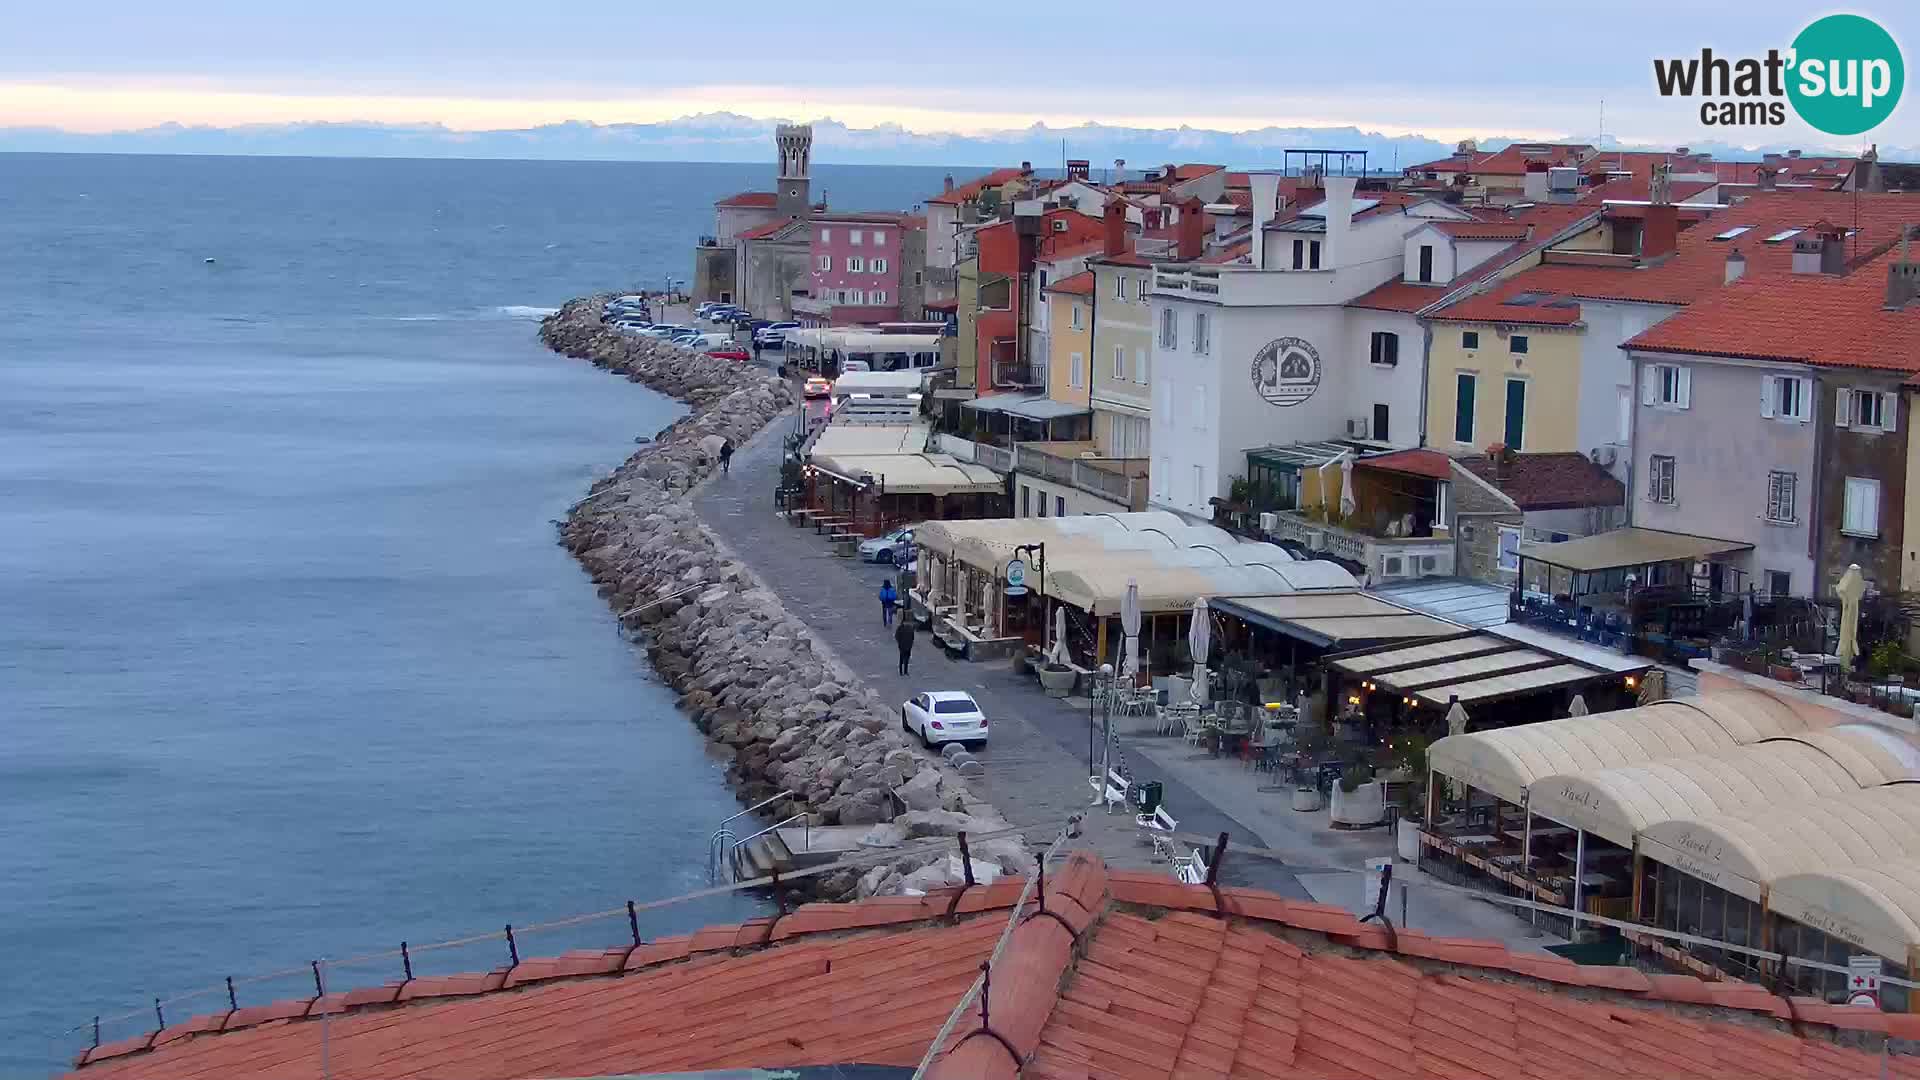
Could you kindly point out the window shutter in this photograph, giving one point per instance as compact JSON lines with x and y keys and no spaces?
{"x":1766,"y":395}
{"x":1890,"y":412}
{"x":1842,"y":408}
{"x":1684,"y":386}
{"x":1649,"y":385}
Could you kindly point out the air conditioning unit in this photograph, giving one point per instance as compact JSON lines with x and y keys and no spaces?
{"x":1358,"y":427}
{"x":1604,"y":456}
{"x":1429,"y":563}
{"x":1270,"y":522}
{"x":1089,"y":454}
{"x":1391,"y":566}
{"x":1060,"y":224}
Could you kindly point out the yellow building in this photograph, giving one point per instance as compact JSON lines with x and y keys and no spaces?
{"x":1498,"y":372}
{"x":1070,"y":340}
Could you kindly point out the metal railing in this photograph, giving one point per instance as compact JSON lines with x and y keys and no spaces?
{"x":997,"y":458}
{"x":717,"y":846}
{"x":733,"y":857}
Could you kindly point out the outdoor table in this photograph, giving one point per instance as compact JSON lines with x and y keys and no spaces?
{"x":1473,"y":839}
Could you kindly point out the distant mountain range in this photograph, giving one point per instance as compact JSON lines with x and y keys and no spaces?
{"x":731,"y":137}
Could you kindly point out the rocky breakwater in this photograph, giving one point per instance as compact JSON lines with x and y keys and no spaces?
{"x":751,"y":675}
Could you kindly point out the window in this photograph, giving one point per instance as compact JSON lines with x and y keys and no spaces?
{"x":877,"y":296}
{"x":1426,"y":262}
{"x":1119,"y":286}
{"x":918,"y":277}
{"x":1784,"y":397}
{"x":1660,"y":478}
{"x":1169,"y":329}
{"x":1313,"y":254}
{"x":1623,"y":406}
{"x":879,"y":238}
{"x":1666,"y":385}
{"x":1119,"y":362}
{"x":1299,"y":254}
{"x":1733,"y":232}
{"x":1516,"y":428}
{"x":1779,"y":583}
{"x":1380,"y":429}
{"x":1464,"y":385}
{"x":1059,"y":506}
{"x":1509,"y":549}
{"x":1140,"y":366}
{"x":1202,"y":342}
{"x":1026,"y":495}
{"x":826,"y":236}
{"x":1162,"y":475}
{"x":1140,"y":289}
{"x":1199,"y":406}
{"x":1199,"y":485}
{"x":1862,"y":513}
{"x":856,"y":296}
{"x":853,"y":237}
{"x":826,"y":262}
{"x":1517,"y":344}
{"x":856,"y":265}
{"x":1867,"y":410}
{"x":1780,"y":497}
{"x":1469,"y":339}
{"x":878,"y":266}
{"x":1386,"y":348}
{"x":1076,"y":370}
{"x":1043,"y":505}
{"x":1076,"y":317}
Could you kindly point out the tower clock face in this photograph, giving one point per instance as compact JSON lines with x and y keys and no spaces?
{"x":1286,"y":371}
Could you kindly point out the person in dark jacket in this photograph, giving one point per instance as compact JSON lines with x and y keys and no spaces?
{"x":903,"y":636}
{"x":889,"y":599}
{"x":726,"y":456}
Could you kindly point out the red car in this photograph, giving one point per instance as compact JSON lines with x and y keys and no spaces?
{"x":731,"y":354}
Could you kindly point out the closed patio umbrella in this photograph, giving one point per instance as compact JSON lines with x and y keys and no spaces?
{"x":1456,"y":725}
{"x":1347,"y":502}
{"x":1578,"y":707}
{"x":1059,"y":654}
{"x":1852,"y":589}
{"x":1130,"y":626}
{"x":1199,"y":640}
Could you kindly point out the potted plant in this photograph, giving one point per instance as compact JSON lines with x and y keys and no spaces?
{"x":1407,"y":755}
{"x":1359,"y":800}
{"x":1056,"y":679}
{"x":1311,"y":743}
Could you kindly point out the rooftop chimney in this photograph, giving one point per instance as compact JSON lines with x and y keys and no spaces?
{"x":1821,"y":249}
{"x":1501,"y":459}
{"x":1903,"y":276}
{"x":1533,"y":187}
{"x":1736,"y":265}
{"x":1793,"y":154}
{"x":1079,"y":169}
{"x":1193,"y":226}
{"x":1768,"y":178}
{"x":1660,"y":230}
{"x":949,"y":186}
{"x":1026,"y":168}
{"x":1338,"y":208}
{"x":1265,"y":187}
{"x":1114,"y":225}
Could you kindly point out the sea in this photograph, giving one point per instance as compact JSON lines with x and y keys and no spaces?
{"x":292,"y":668}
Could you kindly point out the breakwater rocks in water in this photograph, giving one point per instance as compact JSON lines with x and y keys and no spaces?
{"x":750,"y":674}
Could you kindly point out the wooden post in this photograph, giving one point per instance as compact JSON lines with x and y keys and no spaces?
{"x":1526,"y":847}
{"x":1579,"y":872}
{"x":1100,"y":643}
{"x":1639,"y":863}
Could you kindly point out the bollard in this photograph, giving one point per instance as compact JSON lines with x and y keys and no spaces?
{"x":233,"y":1003}
{"x":633,"y":923}
{"x":158,"y":1016}
{"x":513,"y":951}
{"x":1403,"y":903}
{"x":406,"y":961}
{"x":96,"y":1033}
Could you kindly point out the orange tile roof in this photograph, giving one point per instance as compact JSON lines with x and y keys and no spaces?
{"x":764,"y":200}
{"x":1550,"y":480}
{"x":1079,"y":284}
{"x":1195,"y":170}
{"x":761,"y":232}
{"x":1500,"y":306}
{"x":1431,"y":464}
{"x":1484,"y":230}
{"x":1128,"y":974}
{"x":1399,"y":295}
{"x":1636,"y":187}
{"x":1803,"y":318}
{"x":972,"y":188}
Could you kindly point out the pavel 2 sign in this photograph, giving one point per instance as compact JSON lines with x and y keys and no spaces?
{"x":1286,"y":371}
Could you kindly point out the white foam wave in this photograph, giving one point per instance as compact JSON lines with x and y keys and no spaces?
{"x":522,"y":311}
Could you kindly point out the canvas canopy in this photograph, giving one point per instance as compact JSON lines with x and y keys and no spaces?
{"x":911,"y":474}
{"x":1098,"y":585}
{"x":1873,"y":906}
{"x":1508,"y":761}
{"x":1624,"y":548}
{"x":838,"y":439}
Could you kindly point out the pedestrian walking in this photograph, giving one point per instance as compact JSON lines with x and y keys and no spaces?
{"x":889,"y":599}
{"x":903,"y":637}
{"x":726,"y":455}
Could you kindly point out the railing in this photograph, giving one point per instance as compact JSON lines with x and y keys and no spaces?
{"x":1385,"y":558}
{"x":1015,"y":373}
{"x":1119,"y":487}
{"x":733,"y":856}
{"x":1027,"y":459}
{"x":715,"y":844}
{"x":993,"y":457}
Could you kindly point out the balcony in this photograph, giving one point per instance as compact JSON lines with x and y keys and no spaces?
{"x":1383,"y":558}
{"x":1121,"y":480}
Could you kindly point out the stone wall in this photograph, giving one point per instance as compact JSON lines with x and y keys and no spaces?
{"x":751,"y":675}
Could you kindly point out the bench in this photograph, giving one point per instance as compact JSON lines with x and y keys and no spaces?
{"x":1192,"y":870}
{"x":1159,"y":820}
{"x":1113,"y":791}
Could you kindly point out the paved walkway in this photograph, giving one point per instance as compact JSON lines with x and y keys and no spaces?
{"x":1037,"y":758}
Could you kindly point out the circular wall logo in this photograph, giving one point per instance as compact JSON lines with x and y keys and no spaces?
{"x":1847,"y":74}
{"x":1286,"y":371}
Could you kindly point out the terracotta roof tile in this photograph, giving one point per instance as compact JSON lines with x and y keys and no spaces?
{"x":1398,"y":295}
{"x":1431,"y":464}
{"x":1080,"y":284}
{"x":972,"y":188}
{"x":762,"y":232}
{"x":756,"y":199}
{"x":1551,"y":481}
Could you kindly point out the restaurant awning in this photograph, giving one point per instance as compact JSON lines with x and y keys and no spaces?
{"x":1508,"y":761}
{"x":1627,"y":547}
{"x":1324,"y":619}
{"x":1875,"y":906}
{"x":1479,"y":666}
{"x":1099,"y":585}
{"x":911,"y":474}
{"x":1026,"y":406}
{"x":843,"y":438}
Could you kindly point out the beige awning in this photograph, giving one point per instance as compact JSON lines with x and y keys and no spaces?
{"x":838,"y":439}
{"x":1474,"y":667}
{"x":1381,"y":662}
{"x":1507,"y":761}
{"x":1100,"y":585}
{"x":1330,"y":618}
{"x":911,"y":474}
{"x":1510,"y":684}
{"x":1873,"y":906}
{"x":1627,"y":547}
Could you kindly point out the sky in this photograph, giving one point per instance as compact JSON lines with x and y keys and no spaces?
{"x":1443,"y":71}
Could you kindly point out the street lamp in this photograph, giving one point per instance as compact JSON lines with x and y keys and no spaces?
{"x":1106,"y":736}
{"x":1039,"y":550}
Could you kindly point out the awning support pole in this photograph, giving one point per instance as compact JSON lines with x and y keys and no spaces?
{"x":1526,"y":846}
{"x":1579,"y":873}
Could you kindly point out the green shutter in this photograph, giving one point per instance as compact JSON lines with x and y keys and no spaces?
{"x":1463,"y":408}
{"x":1516,"y":413}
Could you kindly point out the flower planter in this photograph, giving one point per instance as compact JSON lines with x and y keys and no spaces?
{"x":1306,"y":799}
{"x":1785,"y":673}
{"x":1057,"y":682}
{"x":1360,"y":808}
{"x":1407,"y":840}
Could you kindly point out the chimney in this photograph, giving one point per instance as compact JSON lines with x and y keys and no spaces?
{"x":1660,"y":231}
{"x":949,"y":187}
{"x":1903,"y":276}
{"x":1501,"y":459}
{"x":1265,"y":187}
{"x":1534,"y":187}
{"x":1079,"y":169}
{"x":1768,"y":178}
{"x":1193,"y":226}
{"x":1736,"y":265}
{"x":1026,"y":168}
{"x":1114,"y":225}
{"x":1338,"y":208}
{"x":1794,"y":154}
{"x":1833,"y":251}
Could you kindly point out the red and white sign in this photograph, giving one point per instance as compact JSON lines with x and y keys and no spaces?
{"x":1863,"y":981}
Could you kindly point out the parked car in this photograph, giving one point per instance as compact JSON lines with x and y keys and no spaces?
{"x":631,"y":326}
{"x":706,"y":307}
{"x":940,"y":716}
{"x":707,"y":342}
{"x":666,"y":330}
{"x":774,"y":335}
{"x":724,"y":313}
{"x":746,"y":321}
{"x":855,"y":365}
{"x":730,"y":352}
{"x":891,"y":548}
{"x":817,"y":387}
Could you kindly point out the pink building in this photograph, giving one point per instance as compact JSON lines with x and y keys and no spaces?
{"x":857,"y":262}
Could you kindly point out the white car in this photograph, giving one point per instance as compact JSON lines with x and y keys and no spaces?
{"x":891,"y":548}
{"x":940,"y":716}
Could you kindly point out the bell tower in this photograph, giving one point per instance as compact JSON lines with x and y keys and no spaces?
{"x":795,"y":143}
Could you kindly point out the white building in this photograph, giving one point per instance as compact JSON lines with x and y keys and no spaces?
{"x":1267,"y":351}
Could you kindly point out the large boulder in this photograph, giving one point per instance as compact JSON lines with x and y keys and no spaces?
{"x":922,"y":792}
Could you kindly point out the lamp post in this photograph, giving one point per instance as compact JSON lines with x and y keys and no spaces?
{"x":1106,"y":737}
{"x":1039,"y":550}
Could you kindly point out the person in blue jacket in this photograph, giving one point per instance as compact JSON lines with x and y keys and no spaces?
{"x":889,"y":599}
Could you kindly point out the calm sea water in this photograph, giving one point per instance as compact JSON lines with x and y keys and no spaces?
{"x":290,"y":664}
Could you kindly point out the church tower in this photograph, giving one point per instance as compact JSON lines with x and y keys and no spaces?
{"x":795,"y":143}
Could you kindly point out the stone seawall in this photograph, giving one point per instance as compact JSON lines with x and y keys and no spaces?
{"x":751,"y":675}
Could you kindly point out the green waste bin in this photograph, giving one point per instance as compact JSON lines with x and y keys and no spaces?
{"x":1146,"y":796}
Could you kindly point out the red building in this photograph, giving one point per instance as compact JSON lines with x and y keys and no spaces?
{"x":1000,"y":363}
